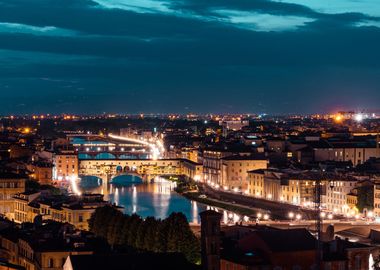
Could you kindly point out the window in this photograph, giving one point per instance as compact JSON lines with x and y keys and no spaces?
{"x":50,"y":263}
{"x":358,"y":262}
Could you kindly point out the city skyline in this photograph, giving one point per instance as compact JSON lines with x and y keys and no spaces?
{"x":119,"y":56}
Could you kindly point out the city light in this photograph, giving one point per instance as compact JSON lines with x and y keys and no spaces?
{"x":291,"y":215}
{"x":358,"y":117}
{"x":338,"y":118}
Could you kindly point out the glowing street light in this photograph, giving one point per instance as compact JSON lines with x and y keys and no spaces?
{"x":291,"y":215}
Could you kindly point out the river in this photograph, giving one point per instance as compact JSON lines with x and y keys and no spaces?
{"x":145,"y":199}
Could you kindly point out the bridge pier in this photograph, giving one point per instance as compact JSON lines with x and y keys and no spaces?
{"x":106,"y":178}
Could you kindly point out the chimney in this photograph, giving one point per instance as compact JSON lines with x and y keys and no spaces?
{"x":210,"y":240}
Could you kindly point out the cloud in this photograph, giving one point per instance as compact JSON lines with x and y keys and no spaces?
{"x":263,"y":22}
{"x":34,"y":30}
{"x":141,"y":6}
{"x":151,"y":55}
{"x":367,"y":7}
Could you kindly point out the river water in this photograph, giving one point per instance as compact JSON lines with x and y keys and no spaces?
{"x":145,"y":199}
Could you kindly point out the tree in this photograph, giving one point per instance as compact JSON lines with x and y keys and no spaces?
{"x":135,"y":222}
{"x":151,"y":234}
{"x":171,"y":235}
{"x":365,"y":198}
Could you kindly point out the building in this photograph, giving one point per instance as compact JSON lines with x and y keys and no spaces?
{"x":10,"y":185}
{"x":66,"y":209}
{"x":65,"y":165}
{"x":233,"y":124}
{"x":287,"y":186}
{"x":171,"y":261}
{"x":235,"y":170}
{"x":356,"y":152}
{"x":192,"y":170}
{"x":212,"y":161}
{"x":298,"y":187}
{"x":42,"y":172}
{"x":46,"y":246}
{"x":376,"y":199}
{"x":337,"y":195}
{"x":261,"y":247}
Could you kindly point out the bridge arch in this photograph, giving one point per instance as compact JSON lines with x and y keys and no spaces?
{"x":91,"y":180}
{"x":127,"y":178}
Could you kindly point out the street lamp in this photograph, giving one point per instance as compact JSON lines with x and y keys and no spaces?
{"x":298,"y":217}
{"x":291,"y":215}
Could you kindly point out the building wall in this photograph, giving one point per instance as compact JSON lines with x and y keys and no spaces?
{"x":376,"y":199}
{"x":235,"y":172}
{"x":43,"y":175}
{"x":212,"y":166}
{"x":9,"y":188}
{"x":291,"y":192}
{"x":355,"y":155}
{"x":55,"y":260}
{"x":65,"y":166}
{"x":192,"y":170}
{"x":336,"y":196}
{"x":24,"y":212}
{"x":256,"y":184}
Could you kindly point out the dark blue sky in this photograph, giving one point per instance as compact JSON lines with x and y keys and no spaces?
{"x":130,"y":56}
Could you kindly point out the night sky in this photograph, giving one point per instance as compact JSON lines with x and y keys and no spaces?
{"x":131,"y":56}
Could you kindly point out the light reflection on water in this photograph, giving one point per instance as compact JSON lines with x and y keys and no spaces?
{"x":154,"y":199}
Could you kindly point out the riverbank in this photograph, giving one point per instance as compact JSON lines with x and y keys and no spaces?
{"x":238,"y":209}
{"x":191,"y":191}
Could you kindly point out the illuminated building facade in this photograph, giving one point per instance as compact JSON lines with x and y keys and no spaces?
{"x":65,"y":165}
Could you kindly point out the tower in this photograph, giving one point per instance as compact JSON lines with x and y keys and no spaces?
{"x":210,"y":240}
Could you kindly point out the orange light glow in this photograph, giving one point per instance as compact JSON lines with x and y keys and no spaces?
{"x":338,"y":118}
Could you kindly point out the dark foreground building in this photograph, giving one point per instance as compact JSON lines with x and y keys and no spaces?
{"x":141,"y":261}
{"x":265,"y":248}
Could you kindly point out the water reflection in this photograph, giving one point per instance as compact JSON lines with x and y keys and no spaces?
{"x":154,"y":199}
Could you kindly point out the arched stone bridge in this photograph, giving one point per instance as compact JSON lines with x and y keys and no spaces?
{"x":146,"y":169}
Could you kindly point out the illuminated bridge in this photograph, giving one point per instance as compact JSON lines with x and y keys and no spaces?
{"x":115,"y":147}
{"x":147,"y":169}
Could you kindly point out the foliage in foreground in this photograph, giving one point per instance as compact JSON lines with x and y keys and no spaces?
{"x":172,"y":234}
